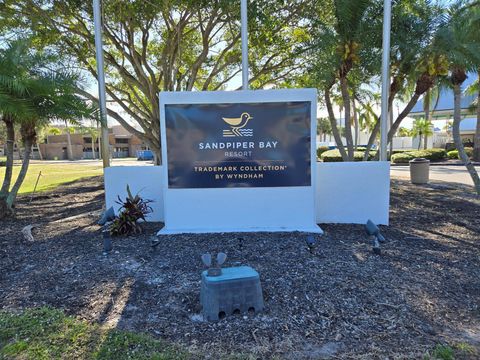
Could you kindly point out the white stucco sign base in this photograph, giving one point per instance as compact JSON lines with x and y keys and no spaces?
{"x":232,"y":207}
{"x":349,"y":192}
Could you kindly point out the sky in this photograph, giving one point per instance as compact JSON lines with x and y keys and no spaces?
{"x":236,"y":82}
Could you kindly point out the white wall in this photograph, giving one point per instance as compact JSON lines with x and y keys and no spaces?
{"x":353,"y":192}
{"x":417,"y":139}
{"x":145,"y":180}
{"x":440,"y":140}
{"x":402,"y":142}
{"x":345,"y":193}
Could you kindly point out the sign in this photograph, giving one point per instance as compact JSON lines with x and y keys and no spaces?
{"x":238,"y":145}
{"x":238,"y":161}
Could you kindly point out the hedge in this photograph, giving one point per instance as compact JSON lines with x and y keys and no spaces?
{"x":454,"y":153}
{"x":401,"y":158}
{"x":321,"y":150}
{"x":401,"y":151}
{"x":334,"y":156}
{"x":430,"y":154}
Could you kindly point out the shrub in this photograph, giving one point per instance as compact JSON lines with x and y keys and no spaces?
{"x":334,"y":156}
{"x":401,"y":158}
{"x":401,"y":151}
{"x":321,"y":150}
{"x":3,"y":163}
{"x":134,"y":208}
{"x":436,"y":154}
{"x":454,"y":153}
{"x":430,"y":154}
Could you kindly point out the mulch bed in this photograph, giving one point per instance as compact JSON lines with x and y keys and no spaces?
{"x":339,"y":301}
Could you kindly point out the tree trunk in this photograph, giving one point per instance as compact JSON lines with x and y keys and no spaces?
{"x":12,"y":196}
{"x":390,"y":124}
{"x":355,"y":122}
{"x":457,"y":93}
{"x":402,"y":116}
{"x":9,"y":153}
{"x":396,"y":124}
{"x":9,"y":163}
{"x":69,"y":143}
{"x":476,"y":142}
{"x":333,"y":123}
{"x":348,"y":118}
{"x":424,"y":82}
{"x":394,"y":88}
{"x":93,"y":148}
{"x":371,"y":139}
{"x":4,"y":209}
{"x":426,"y":109}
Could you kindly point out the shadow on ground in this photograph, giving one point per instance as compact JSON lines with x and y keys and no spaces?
{"x":338,"y":300}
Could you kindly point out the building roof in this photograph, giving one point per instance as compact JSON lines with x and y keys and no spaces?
{"x":445,"y":102}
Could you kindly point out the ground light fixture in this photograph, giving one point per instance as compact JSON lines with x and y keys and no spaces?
{"x":107,"y":241}
{"x":108,"y":215}
{"x":311,"y":242}
{"x":375,"y":236}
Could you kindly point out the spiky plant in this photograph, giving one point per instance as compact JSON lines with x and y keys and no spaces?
{"x":133,"y":209}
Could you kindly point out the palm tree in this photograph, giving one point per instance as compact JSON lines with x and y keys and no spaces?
{"x":344,"y":46}
{"x":404,"y":132}
{"x":413,"y":68}
{"x":68,"y":132}
{"x":54,"y":131}
{"x":31,"y":95}
{"x":351,"y":23}
{"x":323,"y":128}
{"x":423,"y":129}
{"x":93,"y":133}
{"x":461,"y":46}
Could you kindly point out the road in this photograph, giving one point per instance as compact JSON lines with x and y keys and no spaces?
{"x":458,"y":174}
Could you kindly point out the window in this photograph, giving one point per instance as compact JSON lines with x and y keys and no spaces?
{"x":121,"y":141}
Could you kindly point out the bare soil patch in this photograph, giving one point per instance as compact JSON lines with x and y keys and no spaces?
{"x":338,"y":301}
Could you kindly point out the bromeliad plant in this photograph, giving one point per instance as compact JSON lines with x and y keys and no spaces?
{"x":133,"y":209}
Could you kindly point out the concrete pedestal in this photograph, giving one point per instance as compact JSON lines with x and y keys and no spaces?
{"x":238,"y":289}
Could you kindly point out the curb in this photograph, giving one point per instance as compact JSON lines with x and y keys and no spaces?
{"x":440,"y":164}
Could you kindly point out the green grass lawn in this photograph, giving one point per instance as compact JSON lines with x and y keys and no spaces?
{"x":46,"y":333}
{"x":53,"y":175}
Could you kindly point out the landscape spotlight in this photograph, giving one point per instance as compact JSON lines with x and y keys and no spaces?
{"x":107,"y":241}
{"x":373,"y":232}
{"x":311,"y":242}
{"x":108,"y":215}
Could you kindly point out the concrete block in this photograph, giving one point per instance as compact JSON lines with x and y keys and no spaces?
{"x":237,"y":289}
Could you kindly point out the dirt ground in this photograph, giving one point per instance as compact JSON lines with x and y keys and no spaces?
{"x":339,"y":301}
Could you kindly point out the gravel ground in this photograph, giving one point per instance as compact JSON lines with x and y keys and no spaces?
{"x":338,"y":301}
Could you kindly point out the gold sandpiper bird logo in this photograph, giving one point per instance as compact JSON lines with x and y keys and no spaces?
{"x":238,"y":126}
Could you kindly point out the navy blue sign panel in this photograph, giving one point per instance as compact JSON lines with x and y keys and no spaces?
{"x":238,"y":145}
